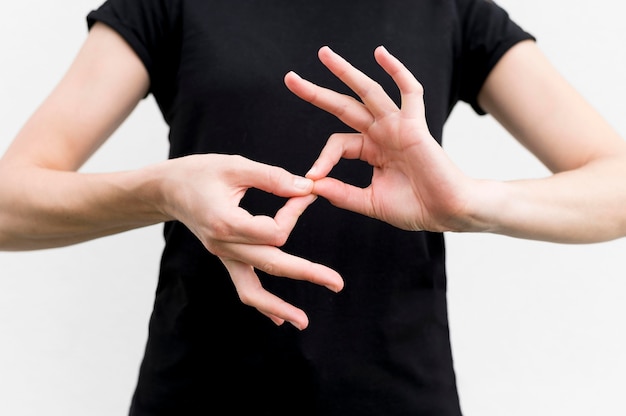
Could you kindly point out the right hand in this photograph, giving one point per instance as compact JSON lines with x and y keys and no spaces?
{"x":414,"y":185}
{"x":204,"y":192}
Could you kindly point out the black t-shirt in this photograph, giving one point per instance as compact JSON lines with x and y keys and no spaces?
{"x":381,"y":346}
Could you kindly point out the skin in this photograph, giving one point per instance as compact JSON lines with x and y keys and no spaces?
{"x":582,"y":202}
{"x":45,"y":202}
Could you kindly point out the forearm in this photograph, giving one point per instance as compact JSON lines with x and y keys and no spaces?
{"x":43,"y":208}
{"x":585,"y":205}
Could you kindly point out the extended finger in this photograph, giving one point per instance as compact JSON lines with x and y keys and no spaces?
{"x":371,"y":93}
{"x":252,"y":293}
{"x":411,"y":91}
{"x":276,"y":262}
{"x":347,"y":109}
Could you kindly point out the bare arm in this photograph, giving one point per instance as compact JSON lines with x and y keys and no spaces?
{"x":45,"y":202}
{"x":415,"y":186}
{"x":584,"y":200}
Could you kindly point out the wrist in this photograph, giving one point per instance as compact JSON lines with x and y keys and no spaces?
{"x":485,"y":207}
{"x":149,"y":184}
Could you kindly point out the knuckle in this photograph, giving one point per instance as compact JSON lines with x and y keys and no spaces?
{"x":272,"y":175}
{"x":367,"y":88}
{"x":246,"y":297}
{"x":377,"y":88}
{"x":418,"y":88}
{"x":270,"y":266}
{"x":237,"y":160}
{"x":214,"y":247}
{"x":216,"y":239}
{"x":250,"y":295}
{"x":221,"y":230}
{"x":341,"y":108}
{"x":276,"y":175}
{"x":335,"y":138}
{"x":280,"y":238}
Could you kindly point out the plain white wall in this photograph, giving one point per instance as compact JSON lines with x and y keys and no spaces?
{"x":537,"y":328}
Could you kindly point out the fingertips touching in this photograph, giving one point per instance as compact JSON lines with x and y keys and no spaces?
{"x":338,"y":146}
{"x":315,"y":173}
{"x":322,"y":167}
{"x":331,"y":155}
{"x":276,"y":180}
{"x":302,"y":183}
{"x":287,"y":185}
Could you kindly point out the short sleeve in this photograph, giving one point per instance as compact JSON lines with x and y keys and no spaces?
{"x":148,"y":26}
{"x":487,"y":34}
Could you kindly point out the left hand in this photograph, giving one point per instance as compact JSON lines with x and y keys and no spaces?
{"x":414,"y":185}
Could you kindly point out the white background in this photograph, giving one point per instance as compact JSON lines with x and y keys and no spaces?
{"x":537,"y":328}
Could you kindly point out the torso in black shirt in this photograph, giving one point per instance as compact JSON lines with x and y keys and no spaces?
{"x":381,"y":346}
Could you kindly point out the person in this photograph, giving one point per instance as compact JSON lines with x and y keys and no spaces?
{"x":243,"y":228}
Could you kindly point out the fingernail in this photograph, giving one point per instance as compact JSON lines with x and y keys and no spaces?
{"x":303,"y":183}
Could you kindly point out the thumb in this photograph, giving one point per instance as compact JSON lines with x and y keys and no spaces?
{"x":278,"y":181}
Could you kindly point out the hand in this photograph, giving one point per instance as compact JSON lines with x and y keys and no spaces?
{"x":204,"y":192}
{"x":414,"y":185}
